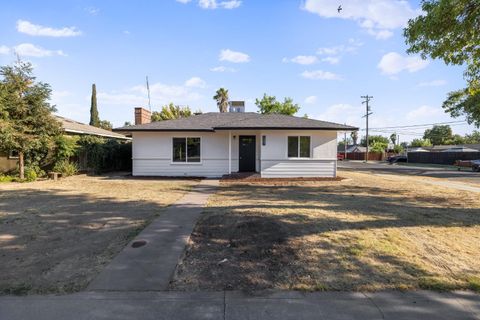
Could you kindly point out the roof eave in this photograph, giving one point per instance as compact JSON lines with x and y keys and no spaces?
{"x":162,"y":130}
{"x":286,"y":128}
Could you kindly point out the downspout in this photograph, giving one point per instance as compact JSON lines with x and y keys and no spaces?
{"x":229,"y":152}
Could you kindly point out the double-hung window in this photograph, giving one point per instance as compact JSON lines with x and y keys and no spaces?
{"x":186,"y":149}
{"x":299,"y":147}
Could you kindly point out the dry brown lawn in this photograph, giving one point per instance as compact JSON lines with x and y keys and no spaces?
{"x":366,"y":232}
{"x":56,"y":236}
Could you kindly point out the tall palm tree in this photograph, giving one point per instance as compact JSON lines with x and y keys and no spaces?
{"x":354,"y":136}
{"x":221,"y":97}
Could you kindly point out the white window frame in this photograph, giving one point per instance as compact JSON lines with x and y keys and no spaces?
{"x":10,"y":157}
{"x":298,"y":137}
{"x":186,"y":151}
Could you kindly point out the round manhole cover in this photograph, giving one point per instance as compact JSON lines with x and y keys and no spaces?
{"x":139,"y":243}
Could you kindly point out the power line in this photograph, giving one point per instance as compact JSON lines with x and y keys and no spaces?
{"x":421,"y":125}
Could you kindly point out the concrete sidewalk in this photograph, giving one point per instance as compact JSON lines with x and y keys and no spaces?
{"x":151,"y":266}
{"x":422,"y":305}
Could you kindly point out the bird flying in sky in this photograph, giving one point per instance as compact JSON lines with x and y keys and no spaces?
{"x":339,"y":8}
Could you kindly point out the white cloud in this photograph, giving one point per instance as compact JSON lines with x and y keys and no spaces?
{"x":195,"y":82}
{"x":183,"y":1}
{"x":4,"y":50}
{"x":377,"y":17}
{"x":333,"y":54}
{"x":311,"y":99}
{"x":213,"y":4}
{"x":331,"y":60}
{"x":380,"y":34}
{"x":222,"y":69}
{"x":92,"y":11}
{"x":393,"y":63}
{"x":423,"y":113}
{"x":160,"y":93}
{"x":433,"y":83}
{"x":31,"y":50}
{"x":352,"y":115}
{"x":232,"y":4}
{"x":233,"y":56}
{"x":305,"y":60}
{"x":320,"y":75}
{"x":29,"y":28}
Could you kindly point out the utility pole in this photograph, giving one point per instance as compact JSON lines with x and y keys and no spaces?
{"x":345,"y":146}
{"x":367,"y":113}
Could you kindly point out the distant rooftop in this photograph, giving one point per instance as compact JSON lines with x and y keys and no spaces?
{"x":75,"y":127}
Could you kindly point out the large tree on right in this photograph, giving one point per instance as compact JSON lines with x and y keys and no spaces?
{"x":449,"y":30}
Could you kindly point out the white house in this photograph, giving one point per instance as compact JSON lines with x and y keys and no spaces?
{"x":215,"y":144}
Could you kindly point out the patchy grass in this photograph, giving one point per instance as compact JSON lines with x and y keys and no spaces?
{"x":366,"y":232}
{"x":56,"y":236}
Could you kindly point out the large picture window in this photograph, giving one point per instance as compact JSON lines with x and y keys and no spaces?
{"x":299,"y":147}
{"x":186,"y":150}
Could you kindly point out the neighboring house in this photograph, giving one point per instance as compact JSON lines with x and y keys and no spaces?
{"x":417,"y":149}
{"x":459,"y":149}
{"x":8,"y":161}
{"x":214,"y":144}
{"x":351,"y":148}
{"x":441,"y":148}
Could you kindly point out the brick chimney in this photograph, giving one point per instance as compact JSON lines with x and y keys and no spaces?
{"x":142,"y":116}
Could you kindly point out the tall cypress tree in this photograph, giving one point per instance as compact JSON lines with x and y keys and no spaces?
{"x":94,"y":118}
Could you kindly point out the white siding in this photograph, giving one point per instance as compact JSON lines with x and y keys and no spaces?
{"x":152,"y":154}
{"x":298,"y":168}
{"x":322,"y":162}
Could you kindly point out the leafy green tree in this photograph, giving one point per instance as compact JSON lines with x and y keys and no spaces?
{"x":373,"y":139}
{"x":221,"y":97}
{"x":462,"y":103}
{"x":420,"y":143}
{"x":474,"y":137}
{"x":171,"y":111}
{"x":438,"y":134}
{"x":65,"y":147}
{"x":456,"y":139}
{"x":269,"y":104}
{"x":26,"y":120}
{"x":398,"y":148}
{"x":354,"y":136}
{"x":94,"y":117}
{"x":105,"y":124}
{"x":127,"y":123}
{"x":448,"y":30}
{"x":378,"y":146}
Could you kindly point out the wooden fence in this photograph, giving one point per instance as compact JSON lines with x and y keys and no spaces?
{"x":447,"y":158}
{"x":372,"y":156}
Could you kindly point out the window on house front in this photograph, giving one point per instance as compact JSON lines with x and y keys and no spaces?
{"x":299,"y":147}
{"x":186,"y":149}
{"x":13,"y":154}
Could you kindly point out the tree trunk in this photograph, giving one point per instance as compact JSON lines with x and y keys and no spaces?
{"x":21,"y":165}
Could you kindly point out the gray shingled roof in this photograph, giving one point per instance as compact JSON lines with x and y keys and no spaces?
{"x":75,"y":127}
{"x":213,"y":121}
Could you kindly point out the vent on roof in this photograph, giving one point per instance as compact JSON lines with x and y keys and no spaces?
{"x":236,"y":106}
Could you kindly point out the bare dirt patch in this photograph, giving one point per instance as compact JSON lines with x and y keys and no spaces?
{"x":362,"y":233}
{"x":56,"y":236}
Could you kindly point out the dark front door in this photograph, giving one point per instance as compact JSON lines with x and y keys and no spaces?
{"x":246,"y":153}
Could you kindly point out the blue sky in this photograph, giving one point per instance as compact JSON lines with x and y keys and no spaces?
{"x":306,"y":50}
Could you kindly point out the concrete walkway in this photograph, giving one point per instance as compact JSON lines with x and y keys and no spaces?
{"x":231,"y":305}
{"x":151,"y":266}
